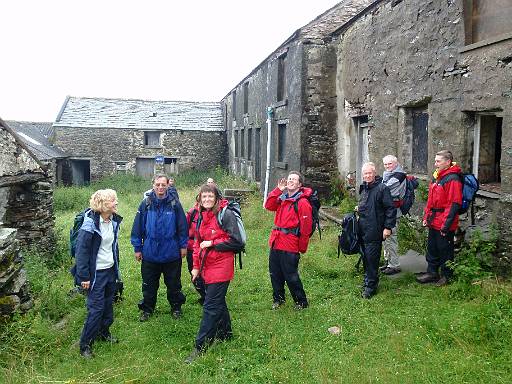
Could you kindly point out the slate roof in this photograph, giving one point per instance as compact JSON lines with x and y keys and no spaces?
{"x":32,"y":134}
{"x":140,"y":114}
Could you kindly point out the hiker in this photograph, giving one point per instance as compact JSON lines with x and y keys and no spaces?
{"x":171,"y":185}
{"x":289,"y":238}
{"x":214,"y":261}
{"x":442,"y":218}
{"x":377,"y":217}
{"x":159,"y":239}
{"x":395,"y":178}
{"x":211,"y":182}
{"x":97,"y":267}
{"x":192,"y":218}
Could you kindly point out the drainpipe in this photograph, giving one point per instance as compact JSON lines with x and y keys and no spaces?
{"x":270,"y":112}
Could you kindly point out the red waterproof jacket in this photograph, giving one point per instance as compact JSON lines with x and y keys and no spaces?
{"x":444,"y":200}
{"x":192,"y":216}
{"x":284,"y":236}
{"x":218,"y":263}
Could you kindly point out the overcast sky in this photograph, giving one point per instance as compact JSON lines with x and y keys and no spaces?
{"x":150,"y":49}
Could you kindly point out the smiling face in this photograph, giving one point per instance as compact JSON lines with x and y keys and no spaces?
{"x":293,"y":183}
{"x":208,"y":200}
{"x":110,"y":206}
{"x":160,"y":187}
{"x":390,"y":165}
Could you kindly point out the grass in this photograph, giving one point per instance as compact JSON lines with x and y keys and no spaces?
{"x":406,"y":334}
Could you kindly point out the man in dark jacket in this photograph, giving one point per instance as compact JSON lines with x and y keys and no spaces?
{"x":289,"y":238}
{"x":442,"y":218}
{"x":377,"y":217}
{"x":159,"y":238}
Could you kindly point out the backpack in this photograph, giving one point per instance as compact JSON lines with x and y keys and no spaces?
{"x":411,"y":183}
{"x":470,"y":186}
{"x":73,"y":232}
{"x":348,"y":239}
{"x":234,"y":207}
{"x":314,"y":201}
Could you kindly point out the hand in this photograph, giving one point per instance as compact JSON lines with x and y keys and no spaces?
{"x":424,"y":223}
{"x":138,"y":256}
{"x":206,"y":244}
{"x":281,"y":184}
{"x":86,"y":284}
{"x":386,"y":233}
{"x":195,"y":273}
{"x":442,"y":233}
{"x":183,"y":252}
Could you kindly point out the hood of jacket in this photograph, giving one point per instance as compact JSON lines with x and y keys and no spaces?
{"x":386,"y":175}
{"x":302,"y":192}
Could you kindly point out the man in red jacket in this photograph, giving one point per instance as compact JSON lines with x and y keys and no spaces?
{"x":442,"y":218}
{"x":289,"y":237}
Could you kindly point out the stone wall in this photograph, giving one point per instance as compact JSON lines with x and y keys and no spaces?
{"x":104,"y":147}
{"x":401,"y":58}
{"x":14,"y":288}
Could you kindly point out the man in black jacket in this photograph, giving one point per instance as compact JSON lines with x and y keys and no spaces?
{"x":377,"y":216}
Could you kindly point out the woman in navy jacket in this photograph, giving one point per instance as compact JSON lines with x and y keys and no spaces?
{"x":97,"y":267}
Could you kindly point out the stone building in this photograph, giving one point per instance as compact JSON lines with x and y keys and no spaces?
{"x":297,"y":83}
{"x":37,"y":136}
{"x":105,"y":136}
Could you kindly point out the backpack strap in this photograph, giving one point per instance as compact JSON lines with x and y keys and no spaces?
{"x":451,"y":177}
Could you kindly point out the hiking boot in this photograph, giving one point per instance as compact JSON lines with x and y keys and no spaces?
{"x":193,"y":356}
{"x":109,"y":338}
{"x":427,"y":278}
{"x":144,"y":316}
{"x":300,"y":306}
{"x":442,"y":282}
{"x":176,"y":313}
{"x":383,"y":267}
{"x":277,"y":304}
{"x":86,"y":352}
{"x":391,"y":271}
{"x":367,"y":294}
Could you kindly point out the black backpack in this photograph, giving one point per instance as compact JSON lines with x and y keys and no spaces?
{"x":314,"y":201}
{"x":411,"y":183}
{"x":348,"y":239}
{"x":73,"y":232}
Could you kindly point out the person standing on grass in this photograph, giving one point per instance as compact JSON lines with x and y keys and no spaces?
{"x":442,"y":218}
{"x":97,"y":267}
{"x":213,"y":260}
{"x":377,"y":216}
{"x":395,"y":178}
{"x":289,"y":238}
{"x":159,"y":238}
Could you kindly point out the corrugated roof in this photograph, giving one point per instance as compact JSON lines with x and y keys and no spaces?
{"x":140,"y":114}
{"x":32,"y":134}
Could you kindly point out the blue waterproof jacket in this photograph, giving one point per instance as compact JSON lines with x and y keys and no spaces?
{"x":160,"y":228}
{"x":88,"y":244}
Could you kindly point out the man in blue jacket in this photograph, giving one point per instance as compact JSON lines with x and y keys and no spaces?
{"x":159,"y":238}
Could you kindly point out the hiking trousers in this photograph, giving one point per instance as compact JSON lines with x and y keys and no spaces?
{"x":371,"y":258}
{"x":151,"y":281}
{"x":100,"y":309}
{"x":391,"y":248}
{"x":284,"y":268}
{"x":216,"y":322}
{"x":440,"y":249}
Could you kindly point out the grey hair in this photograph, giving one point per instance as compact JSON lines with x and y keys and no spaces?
{"x":445,"y":154}
{"x":389,"y":158}
{"x":369,"y":165}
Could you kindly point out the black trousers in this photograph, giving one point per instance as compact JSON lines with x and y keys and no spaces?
{"x":151,"y":281}
{"x":440,"y":249}
{"x":198,"y":282}
{"x":100,"y":310}
{"x":216,"y":322}
{"x":371,"y":258}
{"x":284,"y":268}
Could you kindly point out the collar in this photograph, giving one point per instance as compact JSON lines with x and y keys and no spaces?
{"x":105,"y":221}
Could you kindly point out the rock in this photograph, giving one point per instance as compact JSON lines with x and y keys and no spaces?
{"x":335,"y":330}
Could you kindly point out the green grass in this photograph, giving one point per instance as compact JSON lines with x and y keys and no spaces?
{"x":406,"y":334}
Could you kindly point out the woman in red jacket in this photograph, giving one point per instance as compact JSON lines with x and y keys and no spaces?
{"x":213,"y":260}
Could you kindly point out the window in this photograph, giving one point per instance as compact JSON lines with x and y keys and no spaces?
{"x":246,"y":97}
{"x":121,"y":166}
{"x":235,"y":133}
{"x":242,"y":142}
{"x":281,"y":142}
{"x":486,"y":19}
{"x":419,"y":140}
{"x":249,"y":144}
{"x":233,"y":105}
{"x":152,"y":139}
{"x":487,"y":149}
{"x":281,"y":78}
